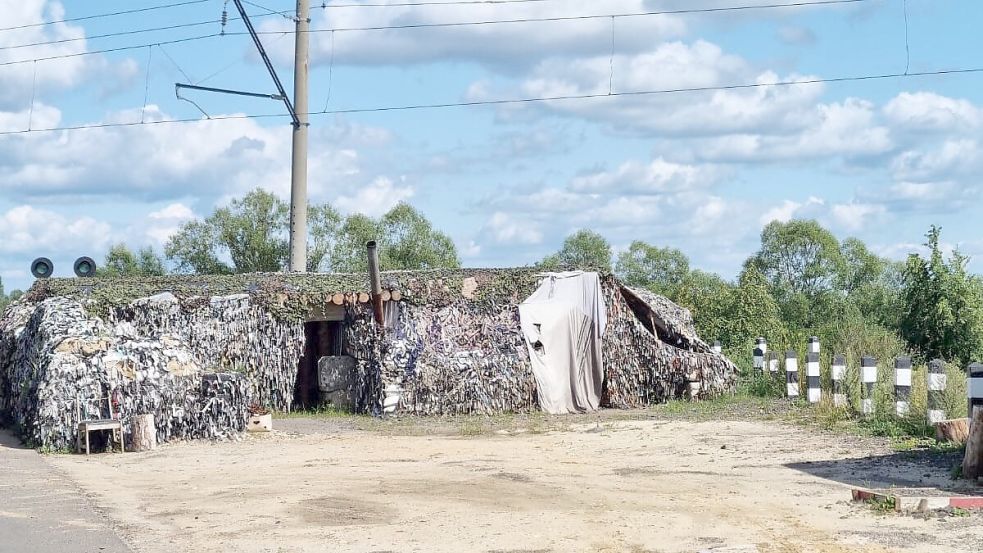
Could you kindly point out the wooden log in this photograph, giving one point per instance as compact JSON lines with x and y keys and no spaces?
{"x":363,"y":297}
{"x":144,"y":433}
{"x":395,"y":295}
{"x":338,"y":299}
{"x":386,"y":295}
{"x":954,"y":430}
{"x":973,"y":462}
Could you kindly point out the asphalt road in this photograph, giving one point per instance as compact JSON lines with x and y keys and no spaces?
{"x":42,"y":511}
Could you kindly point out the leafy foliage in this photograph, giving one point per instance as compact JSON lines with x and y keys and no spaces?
{"x":661,"y":270}
{"x":121,"y":261}
{"x":942,"y":305}
{"x":584,"y":249}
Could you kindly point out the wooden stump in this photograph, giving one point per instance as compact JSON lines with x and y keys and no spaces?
{"x":363,"y":297}
{"x":386,"y":295}
{"x":955,"y":431}
{"x":338,"y":299}
{"x":395,"y":295}
{"x":144,"y":433}
{"x":973,"y":462}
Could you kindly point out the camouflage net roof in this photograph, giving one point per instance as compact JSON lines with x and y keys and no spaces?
{"x":290,"y":296}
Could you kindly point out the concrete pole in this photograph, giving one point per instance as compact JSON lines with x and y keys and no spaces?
{"x":902,"y":385}
{"x":839,"y":374}
{"x":298,"y":168}
{"x":936,"y":390}
{"x":813,"y":387}
{"x":868,"y":380}
{"x":791,"y":374}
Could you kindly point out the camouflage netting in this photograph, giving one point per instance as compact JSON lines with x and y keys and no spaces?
{"x":452,"y":344}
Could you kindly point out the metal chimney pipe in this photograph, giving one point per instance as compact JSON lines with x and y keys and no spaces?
{"x":375,"y":281}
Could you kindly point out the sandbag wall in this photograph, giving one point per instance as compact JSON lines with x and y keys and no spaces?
{"x":59,"y":361}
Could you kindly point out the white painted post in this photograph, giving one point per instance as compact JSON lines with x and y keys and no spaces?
{"x":762,"y":343}
{"x":717,"y":348}
{"x":974,"y":388}
{"x":839,"y":374}
{"x":792,"y":374}
{"x":902,"y":385}
{"x":814,"y":392}
{"x":773,"y":363}
{"x":758,"y":360}
{"x":936,"y":388}
{"x":814,"y":345}
{"x":868,"y":377}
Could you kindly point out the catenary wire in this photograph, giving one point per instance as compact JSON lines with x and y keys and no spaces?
{"x":872,"y":77}
{"x":102,"y":15}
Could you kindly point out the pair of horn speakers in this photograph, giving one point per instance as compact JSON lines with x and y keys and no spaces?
{"x":42,"y":267}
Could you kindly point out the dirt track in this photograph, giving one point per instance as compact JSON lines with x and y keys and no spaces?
{"x":615,"y":486}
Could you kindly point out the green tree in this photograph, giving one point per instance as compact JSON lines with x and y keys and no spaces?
{"x":324,"y":223}
{"x":409,"y":241}
{"x":754,"y":311}
{"x":121,"y":261}
{"x":661,"y":270}
{"x":800,"y":257}
{"x":583,"y":249}
{"x":348,"y":254}
{"x":942,"y":305}
{"x":710,"y":299}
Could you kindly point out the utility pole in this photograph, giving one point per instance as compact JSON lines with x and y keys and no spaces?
{"x":298,"y":169}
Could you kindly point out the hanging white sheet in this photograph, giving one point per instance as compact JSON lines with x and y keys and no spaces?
{"x":563,"y":322}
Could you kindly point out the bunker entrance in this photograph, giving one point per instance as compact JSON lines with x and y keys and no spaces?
{"x":321,"y":339}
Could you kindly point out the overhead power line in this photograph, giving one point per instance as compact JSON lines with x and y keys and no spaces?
{"x":464,"y":24}
{"x":516,"y":101}
{"x":102,"y":15}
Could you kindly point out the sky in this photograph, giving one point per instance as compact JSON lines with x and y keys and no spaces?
{"x":702,"y":171}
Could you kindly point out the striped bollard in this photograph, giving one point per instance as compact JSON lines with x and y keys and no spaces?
{"x":868,"y":377}
{"x":936,"y":388}
{"x":758,"y":360}
{"x":717,"y":348}
{"x":839,"y":375}
{"x":792,"y":374}
{"x":974,"y":386}
{"x":814,"y":345}
{"x":814,"y":393}
{"x":761,"y":343}
{"x":773,"y":363}
{"x":902,"y":385}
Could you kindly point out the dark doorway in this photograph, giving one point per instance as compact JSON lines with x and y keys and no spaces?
{"x":321,"y":338}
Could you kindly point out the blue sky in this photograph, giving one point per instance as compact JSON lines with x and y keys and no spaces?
{"x":881,"y":160}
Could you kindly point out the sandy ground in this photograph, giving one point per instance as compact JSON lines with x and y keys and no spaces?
{"x":641,"y":486}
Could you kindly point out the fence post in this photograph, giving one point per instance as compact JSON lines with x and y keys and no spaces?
{"x":936,"y":388}
{"x":762,"y":343}
{"x":902,"y":385}
{"x":792,"y":374}
{"x":773,"y":363}
{"x":974,"y":388}
{"x":868,"y":376}
{"x":839,"y":374}
{"x":758,"y":359}
{"x":717,"y":348}
{"x":814,"y":392}
{"x":814,"y":345}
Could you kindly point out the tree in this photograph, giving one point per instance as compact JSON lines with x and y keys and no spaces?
{"x":324,"y":223}
{"x":583,"y":249}
{"x":942,"y":305}
{"x":121,"y":261}
{"x":709,"y":299}
{"x":799,"y":257}
{"x":754,"y":311}
{"x":348,"y":254}
{"x":409,"y":241}
{"x":661,"y":270}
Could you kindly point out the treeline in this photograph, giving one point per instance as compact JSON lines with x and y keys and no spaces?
{"x":804,"y":282}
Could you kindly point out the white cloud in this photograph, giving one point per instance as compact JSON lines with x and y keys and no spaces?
{"x":165,"y":222}
{"x":951,"y":159}
{"x":928,"y":111}
{"x":31,"y":231}
{"x":508,"y":229}
{"x":854,"y":217}
{"x":656,"y":177}
{"x":375,"y":199}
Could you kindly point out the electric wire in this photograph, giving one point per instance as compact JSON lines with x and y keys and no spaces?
{"x":907,"y":47}
{"x":102,"y":15}
{"x":515,"y":101}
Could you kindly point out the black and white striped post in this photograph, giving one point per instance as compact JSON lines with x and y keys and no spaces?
{"x":813,"y":392}
{"x":838,"y":370}
{"x":772,"y":363}
{"x":974,"y":387}
{"x":868,"y":379}
{"x":792,"y":373}
{"x":760,"y":342}
{"x":814,"y":345}
{"x":759,"y":359}
{"x":902,"y":386}
{"x":717,"y":348}
{"x":936,"y":388}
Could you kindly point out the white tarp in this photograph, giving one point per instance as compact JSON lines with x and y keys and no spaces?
{"x":562,"y":322}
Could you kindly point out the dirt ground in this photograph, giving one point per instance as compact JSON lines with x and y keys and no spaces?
{"x":595,"y":486}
